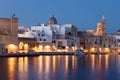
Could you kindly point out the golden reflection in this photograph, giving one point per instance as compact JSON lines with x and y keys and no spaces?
{"x":66,"y":64}
{"x":20,"y":66}
{"x":106,"y":61}
{"x":11,"y":65}
{"x":35,"y":62}
{"x":26,"y":64}
{"x":93,"y":61}
{"x":73,"y":62}
{"x":58,"y":57}
{"x":40,"y":63}
{"x":118,"y":57}
{"x":54,"y":63}
{"x":99,"y":64}
{"x":47,"y":63}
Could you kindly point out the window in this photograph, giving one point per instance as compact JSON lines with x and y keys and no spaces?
{"x":109,"y":45}
{"x":40,"y":39}
{"x":53,"y":41}
{"x":60,"y":45}
{"x":104,"y":45}
{"x":112,"y":40}
{"x":53,"y":34}
{"x":34,"y":30}
{"x":118,"y":40}
{"x":44,"y":39}
{"x":95,"y":42}
{"x":42,"y":34}
{"x":38,"y":34}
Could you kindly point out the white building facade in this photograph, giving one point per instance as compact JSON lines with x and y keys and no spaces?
{"x":53,"y":36}
{"x":117,"y":40}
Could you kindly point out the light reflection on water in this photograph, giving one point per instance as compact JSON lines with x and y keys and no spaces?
{"x":11,"y":69}
{"x":89,"y":67}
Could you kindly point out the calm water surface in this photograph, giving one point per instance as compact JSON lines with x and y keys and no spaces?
{"x":89,"y":67}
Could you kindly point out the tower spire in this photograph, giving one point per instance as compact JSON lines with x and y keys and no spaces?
{"x":103,"y":25}
{"x":103,"y":17}
{"x":103,"y":20}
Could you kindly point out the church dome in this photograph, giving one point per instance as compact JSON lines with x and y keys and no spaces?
{"x":52,"y":20}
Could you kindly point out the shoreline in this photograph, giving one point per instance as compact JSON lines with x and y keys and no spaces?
{"x":35,"y":54}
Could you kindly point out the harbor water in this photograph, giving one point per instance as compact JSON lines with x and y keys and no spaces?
{"x":61,"y":67}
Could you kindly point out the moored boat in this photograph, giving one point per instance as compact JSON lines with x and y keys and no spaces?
{"x":79,"y":52}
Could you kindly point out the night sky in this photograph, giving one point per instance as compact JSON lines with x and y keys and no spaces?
{"x":84,"y":14}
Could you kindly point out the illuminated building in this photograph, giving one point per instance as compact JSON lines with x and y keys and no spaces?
{"x":116,"y":46}
{"x":51,"y":35}
{"x":25,"y":44}
{"x":102,"y":44}
{"x":82,"y":35}
{"x":101,"y":27}
{"x":9,"y":33}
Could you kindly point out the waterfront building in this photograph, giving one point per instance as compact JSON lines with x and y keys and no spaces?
{"x":24,"y":32}
{"x":108,"y":43}
{"x":91,"y":31}
{"x":116,"y":35}
{"x":9,"y":33}
{"x":52,"y":37}
{"x":3,"y":50}
{"x":101,"y":28}
{"x":41,"y":33}
{"x":102,"y":44}
{"x":82,"y":35}
{"x":26,"y":44}
{"x":68,"y":34}
{"x":99,"y":41}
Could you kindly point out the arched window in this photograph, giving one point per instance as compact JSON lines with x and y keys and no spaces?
{"x":21,"y":45}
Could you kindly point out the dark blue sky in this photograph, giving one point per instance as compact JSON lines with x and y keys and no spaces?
{"x":82,"y":13}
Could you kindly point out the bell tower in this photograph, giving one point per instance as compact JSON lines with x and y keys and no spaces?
{"x":103,"y":25}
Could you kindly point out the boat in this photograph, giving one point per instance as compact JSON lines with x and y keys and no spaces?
{"x":79,"y":52}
